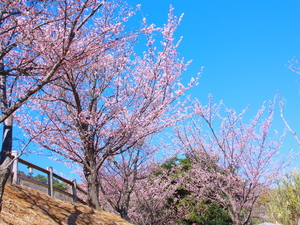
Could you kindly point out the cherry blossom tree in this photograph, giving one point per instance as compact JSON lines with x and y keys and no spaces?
{"x":163,"y":198}
{"x":131,"y":181}
{"x":37,"y":39}
{"x":150,"y":199}
{"x":119,"y":175}
{"x":131,"y":186}
{"x":108,"y":102}
{"x":232,"y":161}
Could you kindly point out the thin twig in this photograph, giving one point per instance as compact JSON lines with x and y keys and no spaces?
{"x":286,"y":124}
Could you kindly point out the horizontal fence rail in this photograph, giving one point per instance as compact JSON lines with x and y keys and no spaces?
{"x":16,"y":177}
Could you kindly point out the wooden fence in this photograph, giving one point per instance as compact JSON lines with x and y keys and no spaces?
{"x":16,"y":177}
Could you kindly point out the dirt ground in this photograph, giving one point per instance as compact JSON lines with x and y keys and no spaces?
{"x":27,"y":206}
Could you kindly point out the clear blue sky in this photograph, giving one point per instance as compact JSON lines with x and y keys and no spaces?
{"x":244,"y":46}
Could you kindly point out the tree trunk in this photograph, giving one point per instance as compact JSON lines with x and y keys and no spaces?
{"x":91,"y":176}
{"x":124,"y":214}
{"x":5,"y":153}
{"x":4,"y":175}
{"x":8,"y":123}
{"x":7,"y":139}
{"x":123,"y":208}
{"x":7,"y":136}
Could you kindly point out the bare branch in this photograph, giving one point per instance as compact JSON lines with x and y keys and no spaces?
{"x":286,"y":123}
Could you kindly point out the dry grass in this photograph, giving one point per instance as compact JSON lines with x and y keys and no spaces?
{"x":26,"y":206}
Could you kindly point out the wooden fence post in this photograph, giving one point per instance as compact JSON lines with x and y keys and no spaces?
{"x":74,"y":188}
{"x":16,"y":178}
{"x":50,"y":181}
{"x":15,"y":167}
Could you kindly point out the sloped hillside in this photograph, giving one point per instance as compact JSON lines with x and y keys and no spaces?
{"x":26,"y":206}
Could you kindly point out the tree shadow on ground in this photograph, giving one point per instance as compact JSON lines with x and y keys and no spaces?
{"x":25,"y":205}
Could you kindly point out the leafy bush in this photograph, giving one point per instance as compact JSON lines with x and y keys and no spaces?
{"x":200,"y":213}
{"x":284,"y":205}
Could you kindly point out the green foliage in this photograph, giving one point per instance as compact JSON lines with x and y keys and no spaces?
{"x":175,"y":162}
{"x":56,"y":183}
{"x":59,"y":185}
{"x":204,"y":213}
{"x":40,"y":178}
{"x":284,"y":205}
{"x":212,"y":214}
{"x":198,"y":213}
